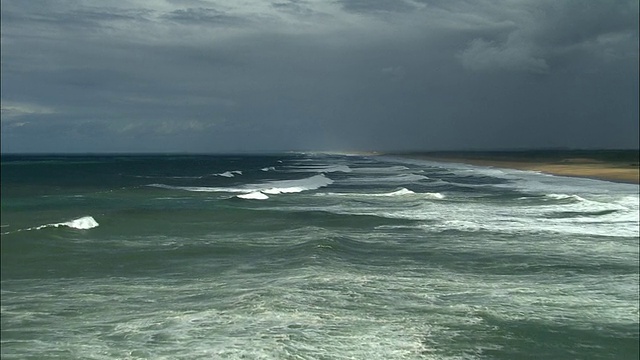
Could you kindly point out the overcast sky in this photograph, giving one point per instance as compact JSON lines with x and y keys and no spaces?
{"x":229,"y":76}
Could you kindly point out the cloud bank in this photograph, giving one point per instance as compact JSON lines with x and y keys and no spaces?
{"x":221,"y":76}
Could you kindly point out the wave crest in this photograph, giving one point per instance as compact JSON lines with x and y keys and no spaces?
{"x":229,"y":174}
{"x":271,"y":187}
{"x":565,"y":197}
{"x":256,"y":195}
{"x":400,"y":192}
{"x":82,"y":223}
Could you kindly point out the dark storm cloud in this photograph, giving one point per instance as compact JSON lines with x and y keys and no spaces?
{"x":377,"y":5}
{"x":205,"y":17}
{"x":191,"y":75}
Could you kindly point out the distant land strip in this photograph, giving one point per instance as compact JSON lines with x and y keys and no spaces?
{"x":610,"y":165}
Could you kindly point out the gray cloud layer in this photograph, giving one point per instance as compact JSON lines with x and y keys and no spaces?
{"x":212,"y":76}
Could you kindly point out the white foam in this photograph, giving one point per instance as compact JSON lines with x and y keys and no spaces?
{"x":189,"y":188}
{"x":270,"y":168}
{"x":272,"y":187}
{"x":402,"y":191}
{"x":402,"y":178}
{"x":83,"y":223}
{"x":229,"y":174}
{"x":284,"y":190}
{"x":323,"y":168}
{"x":378,"y":170}
{"x":256,"y":195}
{"x":435,"y":195}
{"x":293,"y":186}
{"x":565,"y":197}
{"x":398,"y":194}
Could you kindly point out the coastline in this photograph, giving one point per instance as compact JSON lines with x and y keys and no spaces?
{"x":562,"y":164}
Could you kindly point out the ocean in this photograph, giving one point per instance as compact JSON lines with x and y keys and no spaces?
{"x":312,"y":256}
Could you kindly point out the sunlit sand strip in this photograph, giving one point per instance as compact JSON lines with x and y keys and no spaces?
{"x":589,"y":168}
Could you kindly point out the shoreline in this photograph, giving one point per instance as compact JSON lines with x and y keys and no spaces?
{"x":582,"y":167}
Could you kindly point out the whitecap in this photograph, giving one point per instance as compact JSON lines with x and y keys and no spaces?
{"x":256,"y":195}
{"x":283,"y":190}
{"x":396,"y":193}
{"x":402,"y":178}
{"x":189,"y":188}
{"x":564,"y":197}
{"x":292,"y":186}
{"x":435,"y":195}
{"x":323,"y":168}
{"x":405,"y":191}
{"x":378,"y":170}
{"x":229,"y":174}
{"x":402,"y":191}
{"x":272,"y":187}
{"x":82,"y":223}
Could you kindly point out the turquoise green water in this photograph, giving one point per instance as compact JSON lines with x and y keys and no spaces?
{"x":312,"y":256}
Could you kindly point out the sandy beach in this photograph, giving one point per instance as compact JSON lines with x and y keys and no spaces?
{"x":580,"y":164}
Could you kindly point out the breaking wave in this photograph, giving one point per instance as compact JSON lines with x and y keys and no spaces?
{"x":565,"y":197}
{"x":229,"y":174}
{"x":400,"y":192}
{"x":402,"y":178}
{"x":82,"y":223}
{"x":323,"y":168}
{"x":256,"y":195}
{"x":272,"y":187}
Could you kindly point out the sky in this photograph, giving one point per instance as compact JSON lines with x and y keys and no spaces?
{"x":345,"y":75}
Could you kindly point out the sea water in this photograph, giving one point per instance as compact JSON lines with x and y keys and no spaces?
{"x":313,"y":256}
